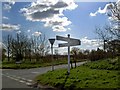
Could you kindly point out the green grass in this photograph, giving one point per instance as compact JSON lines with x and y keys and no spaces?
{"x":31,"y":64}
{"x":28,"y":64}
{"x":24,"y":65}
{"x":20,"y":66}
{"x":80,"y":77}
{"x":107,"y":64}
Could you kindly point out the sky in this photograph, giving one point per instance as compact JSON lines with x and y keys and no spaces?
{"x":52,"y":18}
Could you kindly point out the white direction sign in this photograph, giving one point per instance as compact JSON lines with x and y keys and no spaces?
{"x":70,"y":42}
{"x":61,"y":38}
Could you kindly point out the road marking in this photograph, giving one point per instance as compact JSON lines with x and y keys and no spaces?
{"x":35,"y":72}
{"x":22,"y":81}
{"x":30,"y":80}
{"x":29,"y":84}
{"x":14,"y":79}
{"x":19,"y":79}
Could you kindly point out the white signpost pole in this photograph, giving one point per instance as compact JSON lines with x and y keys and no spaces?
{"x":71,"y":42}
{"x":68,"y":54}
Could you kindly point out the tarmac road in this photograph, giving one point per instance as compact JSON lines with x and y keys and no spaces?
{"x":23,"y":78}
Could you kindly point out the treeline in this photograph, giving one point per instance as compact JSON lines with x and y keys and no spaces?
{"x":98,"y":54}
{"x":21,"y":47}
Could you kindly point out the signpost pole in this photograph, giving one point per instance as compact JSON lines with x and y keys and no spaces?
{"x":70,"y":42}
{"x":68,"y":54}
{"x":52,"y":57}
{"x":52,"y":42}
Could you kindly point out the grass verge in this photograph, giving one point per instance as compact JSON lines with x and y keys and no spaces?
{"x":80,"y":77}
{"x":33,"y":64}
{"x":28,"y":64}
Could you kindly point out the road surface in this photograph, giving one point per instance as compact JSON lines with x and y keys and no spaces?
{"x":23,"y":78}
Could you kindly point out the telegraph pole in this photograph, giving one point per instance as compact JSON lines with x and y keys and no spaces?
{"x":105,"y":44}
{"x":8,"y":47}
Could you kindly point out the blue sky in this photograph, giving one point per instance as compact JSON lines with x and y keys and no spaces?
{"x":82,"y":25}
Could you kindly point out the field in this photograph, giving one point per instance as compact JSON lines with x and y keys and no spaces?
{"x":90,"y":75}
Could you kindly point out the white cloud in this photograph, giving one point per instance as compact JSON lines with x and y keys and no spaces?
{"x":18,"y":32}
{"x":58,"y":24}
{"x":102,"y":11}
{"x":5,"y":18}
{"x":60,"y":5}
{"x":50,"y":12}
{"x":59,"y":28}
{"x":62,"y":21}
{"x":90,"y":43}
{"x":9,"y":27}
{"x":93,"y":14}
{"x":28,"y":31}
{"x":38,"y":16}
{"x":36,"y":34}
{"x":69,"y":28}
{"x":8,"y":5}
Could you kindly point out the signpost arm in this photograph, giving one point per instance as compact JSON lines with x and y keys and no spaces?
{"x":68,"y":54}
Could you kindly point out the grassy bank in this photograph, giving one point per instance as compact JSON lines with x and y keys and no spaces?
{"x":81,"y":77}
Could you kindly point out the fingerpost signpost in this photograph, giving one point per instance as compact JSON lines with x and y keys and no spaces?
{"x":70,"y":42}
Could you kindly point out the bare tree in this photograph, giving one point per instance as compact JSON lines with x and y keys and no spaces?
{"x":2,"y":52}
{"x":6,"y":43}
{"x":39,"y":46}
{"x":104,"y":34}
{"x":114,"y":16}
{"x":111,"y":33}
{"x":18,"y":46}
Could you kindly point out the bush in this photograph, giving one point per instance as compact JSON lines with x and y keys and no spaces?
{"x":96,"y":55}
